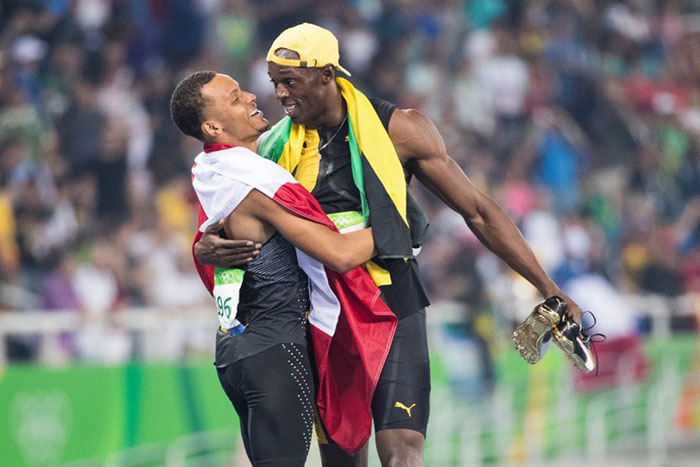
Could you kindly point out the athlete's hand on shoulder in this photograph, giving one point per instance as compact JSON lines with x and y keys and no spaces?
{"x":217,"y":251}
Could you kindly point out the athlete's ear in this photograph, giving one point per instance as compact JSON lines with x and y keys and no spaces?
{"x":211,"y":128}
{"x":328,"y":74}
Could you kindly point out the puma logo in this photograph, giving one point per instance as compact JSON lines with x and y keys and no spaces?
{"x":407,"y":409}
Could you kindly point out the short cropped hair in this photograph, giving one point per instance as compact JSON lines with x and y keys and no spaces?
{"x":187,"y":103}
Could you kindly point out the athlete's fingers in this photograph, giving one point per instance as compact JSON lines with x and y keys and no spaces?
{"x":574,"y":311}
{"x":225,"y":246}
{"x":220,"y":252}
{"x":223,"y":256}
{"x":236,"y":259}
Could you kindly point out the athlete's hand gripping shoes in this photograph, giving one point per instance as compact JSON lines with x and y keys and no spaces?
{"x":548,"y":321}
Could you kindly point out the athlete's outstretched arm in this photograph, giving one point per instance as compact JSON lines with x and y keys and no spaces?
{"x":422,"y":150}
{"x":340,"y":252}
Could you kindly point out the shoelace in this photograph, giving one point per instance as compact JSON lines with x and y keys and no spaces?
{"x":600,"y":337}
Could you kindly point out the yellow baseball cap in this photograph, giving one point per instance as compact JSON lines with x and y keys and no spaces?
{"x":316,"y":46}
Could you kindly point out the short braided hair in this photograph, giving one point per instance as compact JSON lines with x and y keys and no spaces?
{"x":187,"y":103}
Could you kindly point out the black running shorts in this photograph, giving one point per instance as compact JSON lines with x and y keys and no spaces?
{"x":273,"y":394}
{"x":402,"y":397}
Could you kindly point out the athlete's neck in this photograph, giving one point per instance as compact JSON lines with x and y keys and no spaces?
{"x":252,"y":145}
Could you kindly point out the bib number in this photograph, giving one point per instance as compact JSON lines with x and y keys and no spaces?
{"x":223,"y":307}
{"x":227,"y":287}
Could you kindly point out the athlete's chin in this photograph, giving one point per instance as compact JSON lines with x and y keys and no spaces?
{"x":296,"y":118}
{"x":260,"y":123}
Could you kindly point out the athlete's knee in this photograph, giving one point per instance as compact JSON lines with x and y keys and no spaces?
{"x":400,"y":448}
{"x":406,"y":456}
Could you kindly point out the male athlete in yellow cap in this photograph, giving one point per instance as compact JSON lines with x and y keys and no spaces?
{"x":355,"y":155}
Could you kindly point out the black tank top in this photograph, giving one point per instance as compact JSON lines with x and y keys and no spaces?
{"x":273,"y":302}
{"x":335,"y":191}
{"x":335,"y":188}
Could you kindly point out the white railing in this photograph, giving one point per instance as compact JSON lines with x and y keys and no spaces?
{"x":139,"y":326}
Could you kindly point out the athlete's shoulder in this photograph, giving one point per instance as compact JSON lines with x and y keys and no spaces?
{"x":415,"y":136}
{"x":239,"y":163}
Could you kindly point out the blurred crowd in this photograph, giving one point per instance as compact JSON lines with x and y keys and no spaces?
{"x":580,"y":117}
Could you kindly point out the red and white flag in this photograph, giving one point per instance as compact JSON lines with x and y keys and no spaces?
{"x":351,"y":327}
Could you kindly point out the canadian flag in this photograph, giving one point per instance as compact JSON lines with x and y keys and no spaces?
{"x":351,"y":327}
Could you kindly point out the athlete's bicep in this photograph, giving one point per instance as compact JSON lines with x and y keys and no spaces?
{"x":422,"y":150}
{"x":340,"y":252}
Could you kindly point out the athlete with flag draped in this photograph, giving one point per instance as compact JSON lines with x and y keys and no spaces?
{"x":356,"y":156}
{"x":261,"y":352}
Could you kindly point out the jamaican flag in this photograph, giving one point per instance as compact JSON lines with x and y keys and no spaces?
{"x":376,"y":169}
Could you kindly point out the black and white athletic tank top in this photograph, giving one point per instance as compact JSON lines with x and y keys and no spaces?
{"x":274,"y":301}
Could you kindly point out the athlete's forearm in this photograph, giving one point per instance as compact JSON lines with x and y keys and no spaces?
{"x":500,"y":235}
{"x":356,"y":248}
{"x":340,"y":252}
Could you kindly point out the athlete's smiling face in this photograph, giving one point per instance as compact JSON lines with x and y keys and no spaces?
{"x":231,"y":111}
{"x":300,"y":91}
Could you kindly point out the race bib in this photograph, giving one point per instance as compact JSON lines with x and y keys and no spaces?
{"x":227,"y":287}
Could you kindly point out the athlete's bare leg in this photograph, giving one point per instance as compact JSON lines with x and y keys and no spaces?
{"x":333,"y":456}
{"x":400,"y":448}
